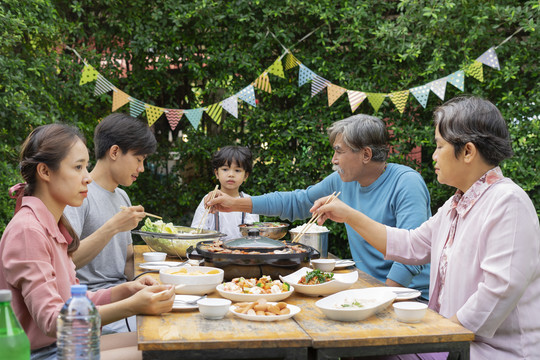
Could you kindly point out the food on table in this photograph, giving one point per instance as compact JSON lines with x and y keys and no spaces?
{"x":354,"y":303}
{"x":183,"y":271}
{"x":313,"y":228}
{"x":262,"y":308}
{"x":158,"y":227}
{"x":217,"y":247}
{"x":264,"y":285}
{"x":316,"y":277}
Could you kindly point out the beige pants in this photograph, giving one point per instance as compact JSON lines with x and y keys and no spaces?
{"x":120,"y":346}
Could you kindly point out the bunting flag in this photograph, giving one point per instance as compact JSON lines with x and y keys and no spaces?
{"x":215,"y":111}
{"x":263,"y":83}
{"x":153,"y":113}
{"x":136,"y":107}
{"x":376,"y":100}
{"x":231,"y":105}
{"x":334,"y":92}
{"x":355,"y":98}
{"x":174,"y":116}
{"x":399,"y":98}
{"x":194,"y":116}
{"x":277,"y":69}
{"x":457,"y":79}
{"x":304,"y":75}
{"x":102,"y":86}
{"x":119,"y":99}
{"x":476,"y":71}
{"x":318,"y":84}
{"x":490,"y":59}
{"x":89,"y":74}
{"x":290,"y":61}
{"x":248,"y":95}
{"x":438,"y":87}
{"x":421,"y":93}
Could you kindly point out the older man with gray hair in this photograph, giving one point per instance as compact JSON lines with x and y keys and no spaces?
{"x":392,"y":194}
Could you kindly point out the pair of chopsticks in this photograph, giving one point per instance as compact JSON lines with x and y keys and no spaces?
{"x":212,"y":196}
{"x":314,"y":218}
{"x":147,"y":214}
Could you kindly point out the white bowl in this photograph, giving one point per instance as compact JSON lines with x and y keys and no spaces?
{"x":214,"y":308}
{"x":324,"y":264}
{"x":154,"y":256}
{"x":195,"y":279}
{"x":342,"y":281}
{"x":410,"y":311}
{"x":372,"y":301}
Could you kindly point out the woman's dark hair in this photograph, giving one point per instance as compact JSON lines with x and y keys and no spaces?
{"x":48,"y":144}
{"x":472,"y":119}
{"x":229,"y":154}
{"x":127,"y":132}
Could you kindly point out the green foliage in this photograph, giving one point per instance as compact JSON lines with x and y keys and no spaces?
{"x":189,"y":54}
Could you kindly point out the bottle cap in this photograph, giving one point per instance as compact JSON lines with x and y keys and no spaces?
{"x":5,"y":295}
{"x":78,"y":289}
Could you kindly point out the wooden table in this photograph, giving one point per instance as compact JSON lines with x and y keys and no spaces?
{"x":309,"y":335}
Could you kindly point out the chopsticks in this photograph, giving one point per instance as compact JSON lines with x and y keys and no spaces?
{"x":314,"y":218}
{"x":212,"y":196}
{"x":146,"y":213}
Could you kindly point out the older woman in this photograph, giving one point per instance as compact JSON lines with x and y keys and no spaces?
{"x":483,"y":243}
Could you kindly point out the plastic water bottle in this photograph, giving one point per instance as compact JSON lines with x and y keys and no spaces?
{"x":13,"y":340}
{"x":78,"y":327}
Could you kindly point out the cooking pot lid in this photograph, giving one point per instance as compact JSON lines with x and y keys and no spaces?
{"x":253,"y":242}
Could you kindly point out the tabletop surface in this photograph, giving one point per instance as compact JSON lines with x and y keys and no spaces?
{"x":188,"y":330}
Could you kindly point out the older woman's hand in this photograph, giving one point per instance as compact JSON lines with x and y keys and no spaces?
{"x":336,"y":210}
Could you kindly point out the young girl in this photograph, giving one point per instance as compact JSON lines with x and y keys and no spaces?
{"x":36,"y":247}
{"x":232,"y":166}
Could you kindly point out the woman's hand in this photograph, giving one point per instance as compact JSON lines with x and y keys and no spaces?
{"x":153,"y":300}
{"x":336,"y":210}
{"x":130,"y":288}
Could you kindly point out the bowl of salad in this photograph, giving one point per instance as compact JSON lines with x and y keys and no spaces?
{"x":319,"y":283}
{"x":272,"y":230}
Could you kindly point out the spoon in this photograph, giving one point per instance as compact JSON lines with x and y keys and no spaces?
{"x":190,"y":302}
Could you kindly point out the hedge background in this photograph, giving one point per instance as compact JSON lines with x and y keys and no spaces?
{"x":188,"y":54}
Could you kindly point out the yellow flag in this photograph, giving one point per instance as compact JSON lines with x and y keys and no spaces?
{"x":215,"y":111}
{"x":399,"y":98}
{"x":290,"y":61}
{"x":334,"y":92}
{"x":476,"y":71}
{"x":263,"y":83}
{"x":277,"y":68}
{"x":376,"y":100}
{"x":119,"y":99}
{"x":153,"y":113}
{"x":89,"y":74}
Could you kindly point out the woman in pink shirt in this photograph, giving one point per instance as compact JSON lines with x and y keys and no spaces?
{"x":36,"y":247}
{"x":483,"y":243}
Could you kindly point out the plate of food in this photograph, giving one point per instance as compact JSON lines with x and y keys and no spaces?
{"x":318,"y":283}
{"x":261,"y":310}
{"x":243,"y":289}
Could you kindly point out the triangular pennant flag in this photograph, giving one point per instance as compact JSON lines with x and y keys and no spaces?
{"x":194,"y":116}
{"x":457,"y":79}
{"x":119,"y":99}
{"x":277,"y":69}
{"x":399,"y":98}
{"x":263,"y":83}
{"x":355,"y":98}
{"x":438,"y":87}
{"x":102,"y":86}
{"x":231,"y":105}
{"x":490,"y":59}
{"x":305,"y":75}
{"x":290,"y":61}
{"x":334,"y":92}
{"x":421,"y":93}
{"x":215,"y":111}
{"x":153,"y":113}
{"x":318,"y":84}
{"x":89,"y":74}
{"x":174,"y":116}
{"x":136,"y":107}
{"x":248,"y":95}
{"x":476,"y":71}
{"x":376,"y":100}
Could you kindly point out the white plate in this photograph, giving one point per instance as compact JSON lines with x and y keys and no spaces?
{"x":252,"y":297}
{"x":377,"y":299}
{"x":158,"y":265}
{"x":341,"y":264}
{"x":179,"y":305}
{"x":342,"y":281}
{"x":404,"y":293}
{"x":294,"y":310}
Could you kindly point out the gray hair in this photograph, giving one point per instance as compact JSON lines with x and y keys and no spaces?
{"x":361,"y":131}
{"x":472,"y":119}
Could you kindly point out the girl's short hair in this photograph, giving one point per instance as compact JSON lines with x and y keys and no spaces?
{"x":472,"y":119}
{"x":229,"y":154}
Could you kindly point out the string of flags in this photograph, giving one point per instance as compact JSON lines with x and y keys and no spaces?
{"x":305,"y":75}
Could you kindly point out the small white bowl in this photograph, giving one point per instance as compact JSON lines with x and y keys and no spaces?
{"x":324,"y":264}
{"x":154,"y":256}
{"x":214,"y":308}
{"x":410,"y":311}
